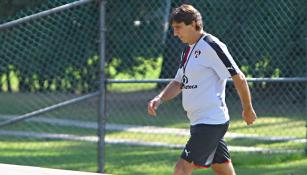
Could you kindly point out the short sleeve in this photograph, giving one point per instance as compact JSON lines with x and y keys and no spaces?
{"x":220,"y":60}
{"x":178,"y":76}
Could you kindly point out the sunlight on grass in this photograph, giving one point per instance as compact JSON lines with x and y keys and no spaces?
{"x":150,"y":69}
{"x":142,"y":137}
{"x":49,"y":153}
{"x":271,"y":126}
{"x":137,"y":160}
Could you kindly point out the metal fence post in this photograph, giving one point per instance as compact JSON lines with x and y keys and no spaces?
{"x":165,"y":19}
{"x":43,"y":14}
{"x":306,"y":92}
{"x":102,"y":99}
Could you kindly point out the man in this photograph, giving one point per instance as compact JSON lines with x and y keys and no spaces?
{"x":205,"y":66}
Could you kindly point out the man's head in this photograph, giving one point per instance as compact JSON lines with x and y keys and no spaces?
{"x":185,"y":20}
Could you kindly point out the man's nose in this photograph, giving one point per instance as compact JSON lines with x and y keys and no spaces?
{"x":175,"y":33}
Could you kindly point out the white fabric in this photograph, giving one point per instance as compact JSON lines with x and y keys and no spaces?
{"x":203,"y":97}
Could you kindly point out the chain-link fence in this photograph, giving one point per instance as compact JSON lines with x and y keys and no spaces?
{"x":53,"y":60}
{"x":48,"y":63}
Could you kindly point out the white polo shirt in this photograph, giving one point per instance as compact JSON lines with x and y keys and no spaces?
{"x":203,"y":78}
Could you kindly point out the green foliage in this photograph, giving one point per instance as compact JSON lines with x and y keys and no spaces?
{"x":71,"y":80}
{"x":148,"y":69}
{"x":263,"y":68}
{"x":135,"y":29}
{"x":265,"y":36}
{"x":54,"y":53}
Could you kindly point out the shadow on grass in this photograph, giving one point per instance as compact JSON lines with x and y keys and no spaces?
{"x":136,"y":160}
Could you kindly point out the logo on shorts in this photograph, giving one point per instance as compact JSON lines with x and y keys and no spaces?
{"x":187,"y":152}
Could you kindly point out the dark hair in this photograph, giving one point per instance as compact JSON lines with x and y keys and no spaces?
{"x":187,"y":14}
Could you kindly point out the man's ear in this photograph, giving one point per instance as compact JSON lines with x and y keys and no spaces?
{"x":193,"y":24}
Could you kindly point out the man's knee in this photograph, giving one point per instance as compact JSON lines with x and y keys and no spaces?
{"x":223,"y":168}
{"x":183,"y":167}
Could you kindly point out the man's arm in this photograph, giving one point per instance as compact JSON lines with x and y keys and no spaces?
{"x":169,"y":92}
{"x":242,"y":88}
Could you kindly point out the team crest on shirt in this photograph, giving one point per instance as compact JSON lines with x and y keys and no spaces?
{"x":197,"y":53}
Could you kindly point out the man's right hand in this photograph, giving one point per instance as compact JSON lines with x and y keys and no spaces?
{"x":153,"y":106}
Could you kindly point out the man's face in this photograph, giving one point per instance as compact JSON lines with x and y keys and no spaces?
{"x":183,"y":31}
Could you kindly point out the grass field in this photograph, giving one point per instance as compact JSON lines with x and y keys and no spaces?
{"x":136,"y":160}
{"x":139,"y":160}
{"x":158,"y":137}
{"x":130,"y":109}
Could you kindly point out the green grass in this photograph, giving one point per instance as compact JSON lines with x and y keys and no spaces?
{"x":134,"y":160}
{"x":128,"y":160}
{"x":271,"y":126}
{"x":235,"y":127}
{"x":49,"y":153}
{"x":20,"y":103}
{"x":38,"y":127}
{"x":278,"y":145}
{"x":127,"y":105}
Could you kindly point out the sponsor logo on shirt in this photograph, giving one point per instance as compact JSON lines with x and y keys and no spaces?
{"x":185,"y":85}
{"x":194,"y":86}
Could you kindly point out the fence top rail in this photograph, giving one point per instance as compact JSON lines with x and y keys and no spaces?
{"x":42,"y":14}
{"x":255,"y":80}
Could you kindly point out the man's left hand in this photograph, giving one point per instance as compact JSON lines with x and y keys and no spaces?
{"x":249,"y":116}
